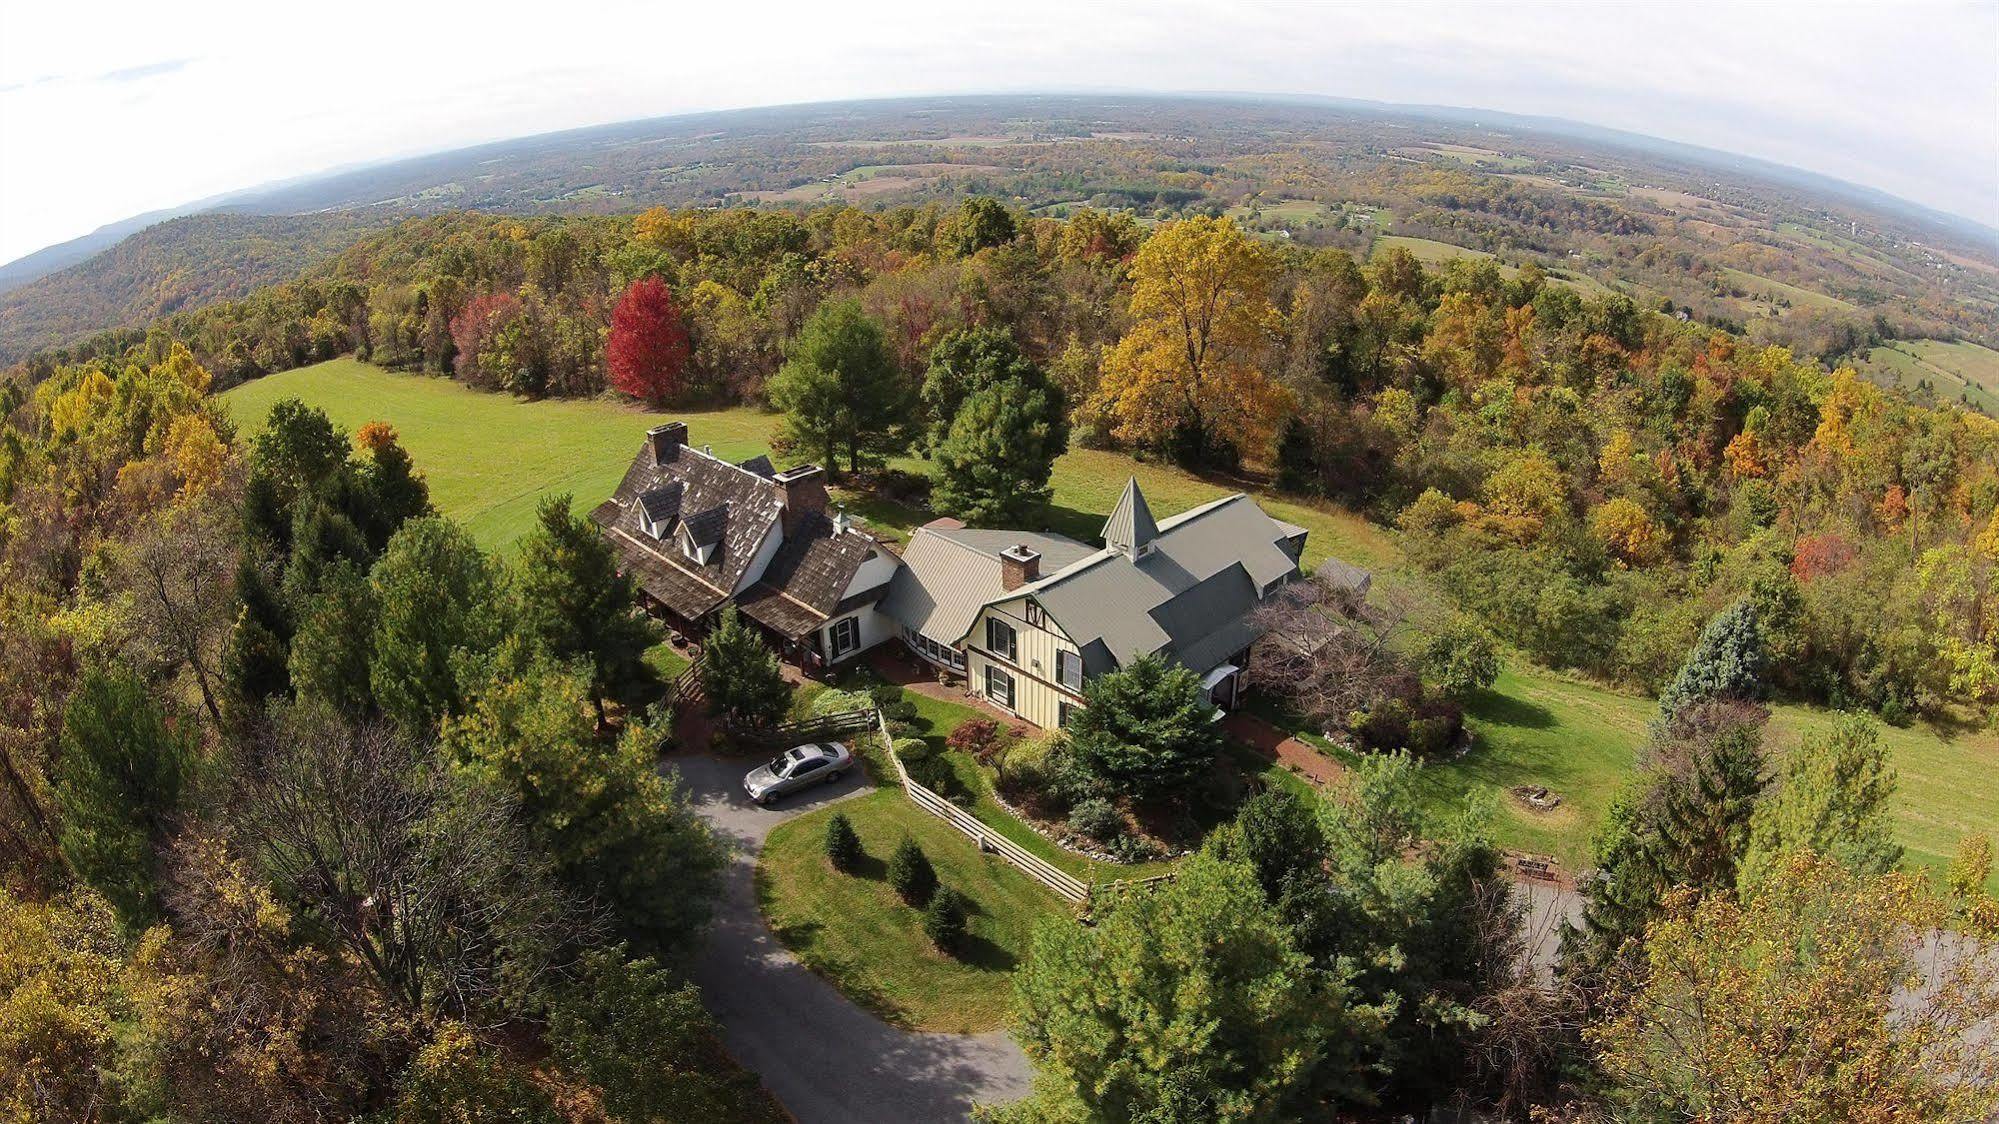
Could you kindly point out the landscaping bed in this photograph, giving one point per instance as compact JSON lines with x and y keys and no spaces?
{"x":854,"y":930}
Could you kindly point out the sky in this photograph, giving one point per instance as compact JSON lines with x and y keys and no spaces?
{"x":108,"y":110}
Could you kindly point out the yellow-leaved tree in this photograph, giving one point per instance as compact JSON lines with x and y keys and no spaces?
{"x":1189,"y":374}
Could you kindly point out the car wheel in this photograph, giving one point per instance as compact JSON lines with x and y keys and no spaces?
{"x":833,"y":776}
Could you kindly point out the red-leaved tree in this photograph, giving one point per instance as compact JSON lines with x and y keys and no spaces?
{"x":647,"y":351}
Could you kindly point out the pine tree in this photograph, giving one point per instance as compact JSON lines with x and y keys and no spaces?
{"x":739,"y":672}
{"x":910,"y":873}
{"x":569,"y":596}
{"x":841,"y":392}
{"x":944,"y":920}
{"x":434,"y":590}
{"x":994,"y":464}
{"x":843,"y":847}
{"x":118,"y":783}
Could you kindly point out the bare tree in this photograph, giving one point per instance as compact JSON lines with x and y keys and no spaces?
{"x":1327,"y":648}
{"x":180,"y":572}
{"x":425,"y":877}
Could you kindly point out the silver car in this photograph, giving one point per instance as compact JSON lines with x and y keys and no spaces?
{"x":818,"y":763}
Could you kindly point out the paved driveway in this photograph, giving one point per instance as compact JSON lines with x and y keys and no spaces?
{"x":827,"y":1060}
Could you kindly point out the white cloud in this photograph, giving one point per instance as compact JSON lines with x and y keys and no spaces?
{"x":107,"y":113}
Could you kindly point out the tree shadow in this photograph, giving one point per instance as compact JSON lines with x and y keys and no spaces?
{"x":870,"y":868}
{"x":1507,"y":710}
{"x":978,"y":952}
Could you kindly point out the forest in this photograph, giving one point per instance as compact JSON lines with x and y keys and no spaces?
{"x":313,"y":809}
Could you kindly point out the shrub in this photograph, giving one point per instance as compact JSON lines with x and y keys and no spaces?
{"x":1024,"y":765}
{"x":912,"y":750}
{"x":893,"y":703}
{"x":1146,"y":728}
{"x":1461,"y":659}
{"x":1132,"y":849}
{"x":910,"y":872}
{"x":944,"y":920}
{"x":980,"y":737}
{"x":843,"y":847}
{"x":839,"y":702}
{"x":1097,"y":818}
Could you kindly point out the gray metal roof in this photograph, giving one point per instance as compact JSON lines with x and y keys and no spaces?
{"x":1131,"y":525}
{"x":1190,"y":597}
{"x":949,"y":573}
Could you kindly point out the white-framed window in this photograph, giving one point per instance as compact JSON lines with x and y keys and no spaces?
{"x":1000,"y":638}
{"x":846,"y":636}
{"x":999,"y":687}
{"x":1069,"y":670}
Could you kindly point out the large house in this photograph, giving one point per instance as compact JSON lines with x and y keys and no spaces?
{"x":1026,"y":617}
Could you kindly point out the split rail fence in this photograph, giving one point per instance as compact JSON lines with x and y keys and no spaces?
{"x":1060,"y":882}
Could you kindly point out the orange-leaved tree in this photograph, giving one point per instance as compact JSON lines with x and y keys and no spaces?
{"x":1189,"y":374}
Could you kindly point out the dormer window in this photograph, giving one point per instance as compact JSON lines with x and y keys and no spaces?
{"x":659,"y":508}
{"x":693,"y":551}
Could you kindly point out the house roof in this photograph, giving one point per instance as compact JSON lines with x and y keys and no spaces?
{"x":729,"y":508}
{"x":760,"y":465}
{"x":949,"y":572}
{"x":1190,"y":597}
{"x":807,"y":579}
{"x":662,"y":504}
{"x":1131,"y":525}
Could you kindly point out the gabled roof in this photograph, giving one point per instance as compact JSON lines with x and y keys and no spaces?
{"x":662,"y":504}
{"x":806,"y":581}
{"x":1131,"y":526}
{"x":760,"y":465}
{"x":727,"y":507}
{"x":1190,"y":598}
{"x":949,"y":572}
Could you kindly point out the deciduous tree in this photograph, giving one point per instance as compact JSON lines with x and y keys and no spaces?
{"x":840,"y":390}
{"x":1189,"y":375}
{"x":648,"y":346}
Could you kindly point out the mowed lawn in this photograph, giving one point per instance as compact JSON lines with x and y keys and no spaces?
{"x":855,"y":931}
{"x":489,"y":459}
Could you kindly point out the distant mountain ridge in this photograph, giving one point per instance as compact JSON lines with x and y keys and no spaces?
{"x":1158,"y":154}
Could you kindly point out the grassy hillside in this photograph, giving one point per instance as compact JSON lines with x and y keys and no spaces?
{"x":489,"y":458}
{"x":1959,"y":370}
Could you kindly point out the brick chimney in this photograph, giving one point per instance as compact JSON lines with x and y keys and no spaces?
{"x":1019,"y":566}
{"x":802,"y":490}
{"x":667,"y":441}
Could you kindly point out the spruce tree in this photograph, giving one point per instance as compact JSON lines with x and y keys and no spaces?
{"x":910,"y":873}
{"x":740,"y":673}
{"x":843,"y":847}
{"x":569,"y":596}
{"x":994,"y":464}
{"x":118,"y":783}
{"x":1726,"y":662}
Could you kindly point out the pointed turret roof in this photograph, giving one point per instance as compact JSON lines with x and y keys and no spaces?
{"x":1130,"y":528}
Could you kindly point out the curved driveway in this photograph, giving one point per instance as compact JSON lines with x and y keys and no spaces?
{"x":826,"y":1059}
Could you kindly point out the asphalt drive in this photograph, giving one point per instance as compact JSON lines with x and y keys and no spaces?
{"x":827,"y":1060}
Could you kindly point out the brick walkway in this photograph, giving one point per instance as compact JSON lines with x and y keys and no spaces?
{"x":1273,"y":744}
{"x":895,"y":665}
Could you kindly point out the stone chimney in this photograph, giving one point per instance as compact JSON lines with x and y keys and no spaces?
{"x":802,"y":490}
{"x":667,"y":441}
{"x":1019,"y":566}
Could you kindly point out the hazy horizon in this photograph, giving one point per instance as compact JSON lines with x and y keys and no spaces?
{"x":1825,"y":90}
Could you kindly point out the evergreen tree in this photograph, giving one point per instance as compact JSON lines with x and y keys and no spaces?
{"x":1189,"y":1002}
{"x":843,"y":847}
{"x":569,"y":596}
{"x":641,"y":1036}
{"x":394,"y":491}
{"x":944,"y":920}
{"x":910,"y":873}
{"x":330,"y":652}
{"x":1147,"y":728}
{"x":993,"y":467}
{"x":1832,"y":801}
{"x":298,"y":450}
{"x":840,"y":390}
{"x":118,"y":783}
{"x":1726,"y":662}
{"x":739,"y":672}
{"x":434,"y":590}
{"x":967,"y":361}
{"x":1297,"y":459}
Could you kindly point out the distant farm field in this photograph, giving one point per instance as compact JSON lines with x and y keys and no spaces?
{"x":1958,"y":371}
{"x":489,"y":459}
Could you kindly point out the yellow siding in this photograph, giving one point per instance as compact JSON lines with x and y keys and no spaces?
{"x":1035,"y":696}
